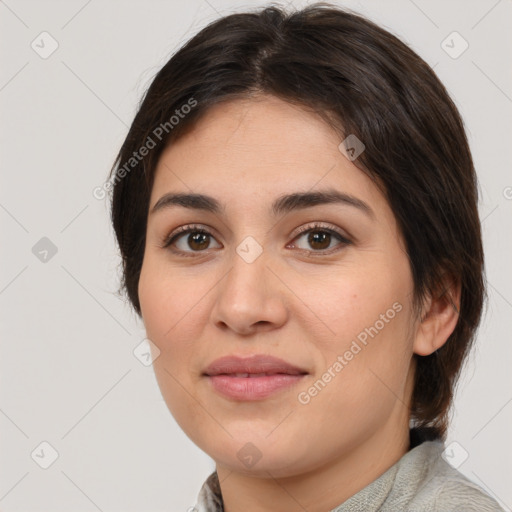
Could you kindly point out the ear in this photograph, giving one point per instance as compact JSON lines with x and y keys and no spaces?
{"x":439,"y":317}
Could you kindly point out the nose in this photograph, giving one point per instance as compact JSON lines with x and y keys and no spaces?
{"x":250,"y":298}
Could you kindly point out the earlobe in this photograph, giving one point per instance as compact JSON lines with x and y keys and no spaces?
{"x":438,"y":320}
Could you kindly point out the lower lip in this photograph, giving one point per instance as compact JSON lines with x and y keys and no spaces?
{"x":252,"y":388}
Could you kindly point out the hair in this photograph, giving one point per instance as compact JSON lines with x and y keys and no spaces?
{"x":363,"y":81}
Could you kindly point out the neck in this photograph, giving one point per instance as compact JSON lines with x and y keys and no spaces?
{"x":321,"y":489}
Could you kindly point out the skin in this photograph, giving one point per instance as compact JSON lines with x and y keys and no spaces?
{"x":298,"y":301}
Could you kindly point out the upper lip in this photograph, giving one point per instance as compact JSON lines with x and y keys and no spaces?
{"x":259,"y":363}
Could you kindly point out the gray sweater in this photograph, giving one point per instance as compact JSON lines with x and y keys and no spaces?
{"x":421,"y":481}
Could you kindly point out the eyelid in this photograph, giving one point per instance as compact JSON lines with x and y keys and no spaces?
{"x":320,"y":226}
{"x":188,"y":228}
{"x":341,"y":237}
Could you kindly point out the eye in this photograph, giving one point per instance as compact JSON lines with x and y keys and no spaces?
{"x":318,"y":238}
{"x":190,"y":239}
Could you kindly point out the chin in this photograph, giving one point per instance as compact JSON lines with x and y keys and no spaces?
{"x":258,"y":457}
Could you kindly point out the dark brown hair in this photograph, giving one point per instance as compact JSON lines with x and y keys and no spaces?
{"x":365,"y":82}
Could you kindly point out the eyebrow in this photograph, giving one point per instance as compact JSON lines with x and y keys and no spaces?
{"x":283,"y":204}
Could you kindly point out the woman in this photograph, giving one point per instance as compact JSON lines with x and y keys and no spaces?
{"x":296,"y":208}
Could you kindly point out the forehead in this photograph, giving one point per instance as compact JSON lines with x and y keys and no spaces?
{"x":273,"y":127}
{"x":260,"y":147}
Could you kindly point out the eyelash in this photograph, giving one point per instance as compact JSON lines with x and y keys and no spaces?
{"x":183,"y":230}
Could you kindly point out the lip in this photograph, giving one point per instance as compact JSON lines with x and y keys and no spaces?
{"x":252,"y":378}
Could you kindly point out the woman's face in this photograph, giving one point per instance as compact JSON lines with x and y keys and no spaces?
{"x":321,"y":282}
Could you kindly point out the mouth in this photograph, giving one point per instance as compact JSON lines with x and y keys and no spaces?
{"x":252,"y":378}
{"x":258,"y":365}
{"x":252,"y":375}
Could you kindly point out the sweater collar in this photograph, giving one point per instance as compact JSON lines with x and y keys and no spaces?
{"x":411,"y":466}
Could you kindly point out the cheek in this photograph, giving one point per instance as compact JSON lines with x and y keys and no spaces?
{"x":170,"y":303}
{"x":373,"y":359}
{"x":170,"y":310}
{"x":363,"y":376}
{"x":369,"y":348}
{"x":356,"y":303}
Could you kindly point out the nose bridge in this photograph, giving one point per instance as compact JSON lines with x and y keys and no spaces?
{"x":250,"y":294}
{"x":247,"y":281}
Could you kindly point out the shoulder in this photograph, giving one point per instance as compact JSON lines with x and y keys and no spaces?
{"x":437,"y":486}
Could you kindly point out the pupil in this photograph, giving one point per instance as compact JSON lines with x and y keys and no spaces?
{"x":198,"y":241}
{"x":319,"y":237}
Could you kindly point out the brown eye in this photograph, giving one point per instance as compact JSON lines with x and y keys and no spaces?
{"x":319,"y":239}
{"x":191,"y":240}
{"x":198,"y":241}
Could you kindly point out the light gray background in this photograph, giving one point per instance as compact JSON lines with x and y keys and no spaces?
{"x":68,"y":373}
